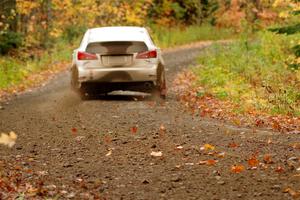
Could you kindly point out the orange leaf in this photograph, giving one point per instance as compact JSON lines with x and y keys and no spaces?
{"x":276,"y":126}
{"x":133,"y":129}
{"x":208,"y":147}
{"x":292,"y":192}
{"x":279,"y":169}
{"x":207,"y":162}
{"x":268,"y":159}
{"x":233,"y":145}
{"x":237,"y":168}
{"x":74,"y":130}
{"x":107,"y":139}
{"x":211,"y":162}
{"x":259,"y":122}
{"x":253,"y":162}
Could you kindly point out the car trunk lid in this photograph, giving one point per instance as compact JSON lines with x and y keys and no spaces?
{"x":116,"y":54}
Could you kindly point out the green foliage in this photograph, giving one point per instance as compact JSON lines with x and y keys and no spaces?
{"x":72,"y":32}
{"x":292,"y":29}
{"x":10,"y":40}
{"x":253,"y":74}
{"x":296,"y":50}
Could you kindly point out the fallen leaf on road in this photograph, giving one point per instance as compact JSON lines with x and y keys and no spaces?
{"x":237,"y":168}
{"x":253,"y":162}
{"x":211,"y":162}
{"x":237,"y":122}
{"x":207,"y":162}
{"x":79,"y":138}
{"x":276,"y":126}
{"x":292,"y":192}
{"x":268,"y":159}
{"x":179,"y":147}
{"x":296,"y":175}
{"x":109,"y":153}
{"x":74,"y":130}
{"x":259,"y":122}
{"x":202,"y":162}
{"x":8,"y":139}
{"x":233,"y":145}
{"x":295,"y":145}
{"x":279,"y":169}
{"x":207,"y":147}
{"x":17,"y":167}
{"x":269,"y":141}
{"x":107,"y":139}
{"x":134,"y":129}
{"x":42,"y":173}
{"x":190,"y":164}
{"x":156,"y":154}
{"x":32,"y":191}
{"x":221,"y":154}
{"x":162,"y":128}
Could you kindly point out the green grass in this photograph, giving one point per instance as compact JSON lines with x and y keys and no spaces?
{"x":254,"y":74}
{"x":170,"y":37}
{"x":13,"y":70}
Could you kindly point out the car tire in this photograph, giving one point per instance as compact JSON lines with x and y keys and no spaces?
{"x":76,"y":86}
{"x":161,"y":86}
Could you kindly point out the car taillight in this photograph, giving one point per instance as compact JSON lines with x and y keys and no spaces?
{"x":86,"y":56}
{"x":147,"y":54}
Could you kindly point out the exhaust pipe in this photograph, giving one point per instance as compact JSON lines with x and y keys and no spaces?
{"x":148,"y":85}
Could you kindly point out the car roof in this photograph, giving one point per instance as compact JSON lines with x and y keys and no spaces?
{"x":118,"y":33}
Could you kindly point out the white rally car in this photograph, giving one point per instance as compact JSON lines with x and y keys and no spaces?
{"x":118,"y":58}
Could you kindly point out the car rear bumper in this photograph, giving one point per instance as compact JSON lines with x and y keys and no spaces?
{"x":101,"y":87}
{"x":117,"y":74}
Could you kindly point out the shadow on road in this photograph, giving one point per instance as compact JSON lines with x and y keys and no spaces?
{"x":121,"y":96}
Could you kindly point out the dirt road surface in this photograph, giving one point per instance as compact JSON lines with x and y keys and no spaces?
{"x":100,"y":148}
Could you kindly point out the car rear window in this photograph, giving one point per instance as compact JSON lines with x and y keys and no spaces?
{"x":116,"y":47}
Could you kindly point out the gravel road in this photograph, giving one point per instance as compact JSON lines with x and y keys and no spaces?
{"x":90,"y":150}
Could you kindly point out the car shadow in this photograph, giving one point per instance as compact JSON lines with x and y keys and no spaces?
{"x":121,"y":96}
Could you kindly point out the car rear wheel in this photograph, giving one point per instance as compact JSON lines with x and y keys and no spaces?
{"x":76,"y":86}
{"x":161,"y":86}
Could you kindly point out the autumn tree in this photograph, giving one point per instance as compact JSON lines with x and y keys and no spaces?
{"x":9,"y":38}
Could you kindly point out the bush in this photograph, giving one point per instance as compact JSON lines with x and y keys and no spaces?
{"x":10,"y":40}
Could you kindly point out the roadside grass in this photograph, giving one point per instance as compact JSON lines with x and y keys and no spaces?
{"x":15,"y":70}
{"x":253,"y":74}
{"x":170,"y":37}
